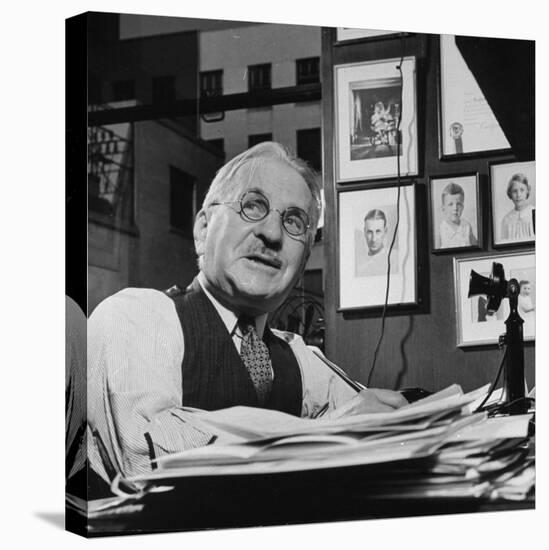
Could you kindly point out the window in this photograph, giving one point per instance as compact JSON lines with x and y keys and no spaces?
{"x":307,"y":70}
{"x":309,"y":147}
{"x":254,"y":139}
{"x":259,"y":77}
{"x":182,"y":201}
{"x":123,"y":89}
{"x":163,"y":89}
{"x":211,"y":83}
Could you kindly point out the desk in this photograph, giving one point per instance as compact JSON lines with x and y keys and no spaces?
{"x":280,"y":499}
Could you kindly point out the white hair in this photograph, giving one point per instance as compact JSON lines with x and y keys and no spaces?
{"x":222,"y":187}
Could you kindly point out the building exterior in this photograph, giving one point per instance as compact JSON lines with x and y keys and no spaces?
{"x":146,"y":179}
{"x":262,"y":56}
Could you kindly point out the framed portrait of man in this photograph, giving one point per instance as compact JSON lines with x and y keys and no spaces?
{"x":377,"y":246}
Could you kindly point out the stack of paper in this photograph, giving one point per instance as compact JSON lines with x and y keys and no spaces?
{"x":461,"y":453}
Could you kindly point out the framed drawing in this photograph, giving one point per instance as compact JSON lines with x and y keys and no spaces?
{"x":475,"y":324}
{"x":347,"y":33}
{"x":455,"y":212}
{"x":467,"y":124}
{"x":369,"y":221}
{"x":371,"y":99}
{"x":513,"y":187}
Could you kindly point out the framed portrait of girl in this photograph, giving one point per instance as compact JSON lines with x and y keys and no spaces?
{"x":513,"y":187}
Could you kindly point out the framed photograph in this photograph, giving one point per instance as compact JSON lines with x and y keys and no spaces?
{"x":347,"y":33}
{"x":467,"y":124}
{"x":513,"y":186}
{"x":369,"y":220}
{"x":475,"y":324}
{"x":455,"y":212}
{"x":370,"y":99}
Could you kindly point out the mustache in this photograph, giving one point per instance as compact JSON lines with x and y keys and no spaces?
{"x":263,"y":254}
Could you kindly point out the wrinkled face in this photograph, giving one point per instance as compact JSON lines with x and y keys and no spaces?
{"x":250,"y":267}
{"x":374,"y":231}
{"x":519,"y":194}
{"x":526,"y":289}
{"x":452,"y":207}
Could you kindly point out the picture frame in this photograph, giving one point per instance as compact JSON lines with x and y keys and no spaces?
{"x":369,"y":99}
{"x":455,"y":212}
{"x":467,"y":125}
{"x":346,"y":34}
{"x":513,"y":220}
{"x":475,"y":326}
{"x":367,"y":220}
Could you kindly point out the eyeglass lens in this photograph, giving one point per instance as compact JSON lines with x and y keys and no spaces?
{"x":255,"y":207}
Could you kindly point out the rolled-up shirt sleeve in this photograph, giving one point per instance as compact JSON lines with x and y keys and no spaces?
{"x":135,"y":350}
{"x":322,"y":388}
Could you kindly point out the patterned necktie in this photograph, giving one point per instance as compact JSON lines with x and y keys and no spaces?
{"x":255,"y":355}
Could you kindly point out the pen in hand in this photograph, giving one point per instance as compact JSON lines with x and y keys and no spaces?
{"x":321,"y":411}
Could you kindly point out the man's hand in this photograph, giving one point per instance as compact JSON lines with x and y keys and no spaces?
{"x":370,"y":400}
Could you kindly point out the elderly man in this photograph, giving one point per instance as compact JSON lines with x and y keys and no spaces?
{"x":156,"y":357}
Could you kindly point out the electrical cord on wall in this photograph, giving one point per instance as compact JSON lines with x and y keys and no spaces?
{"x":388,"y":280}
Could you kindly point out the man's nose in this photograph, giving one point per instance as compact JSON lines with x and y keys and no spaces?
{"x":270,"y":228}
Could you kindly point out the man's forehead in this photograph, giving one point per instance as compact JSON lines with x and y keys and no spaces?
{"x":375,"y":223}
{"x":273,"y":176}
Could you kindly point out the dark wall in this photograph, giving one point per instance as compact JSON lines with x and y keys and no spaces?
{"x":419,"y":346}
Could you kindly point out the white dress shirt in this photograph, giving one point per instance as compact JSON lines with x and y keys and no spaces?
{"x":135,"y":394}
{"x":455,"y":235}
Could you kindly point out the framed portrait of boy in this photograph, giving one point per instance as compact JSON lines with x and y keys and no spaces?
{"x":513,"y":192}
{"x":455,"y":212}
{"x":376,"y":119}
{"x":377,"y":237}
{"x":476,"y":325}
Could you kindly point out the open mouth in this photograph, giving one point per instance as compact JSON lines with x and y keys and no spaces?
{"x":265,"y":260}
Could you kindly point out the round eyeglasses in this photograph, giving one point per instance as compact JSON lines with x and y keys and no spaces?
{"x":254,"y":207}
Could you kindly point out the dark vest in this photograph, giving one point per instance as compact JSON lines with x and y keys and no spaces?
{"x":214,"y":376}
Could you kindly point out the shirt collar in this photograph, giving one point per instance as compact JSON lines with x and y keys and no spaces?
{"x":229,"y":319}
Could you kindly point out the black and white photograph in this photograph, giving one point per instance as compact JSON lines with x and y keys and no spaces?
{"x":377,"y":236}
{"x":455,"y":212}
{"x":257,"y":332}
{"x":376,"y":119}
{"x":513,"y":187}
{"x":477,"y":323}
{"x":374,"y":122}
{"x":372,"y":243}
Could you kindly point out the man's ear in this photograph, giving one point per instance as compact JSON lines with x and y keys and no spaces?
{"x":200,"y":232}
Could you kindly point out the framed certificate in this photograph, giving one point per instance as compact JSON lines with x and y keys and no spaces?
{"x":344,"y":34}
{"x":467,"y":125}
